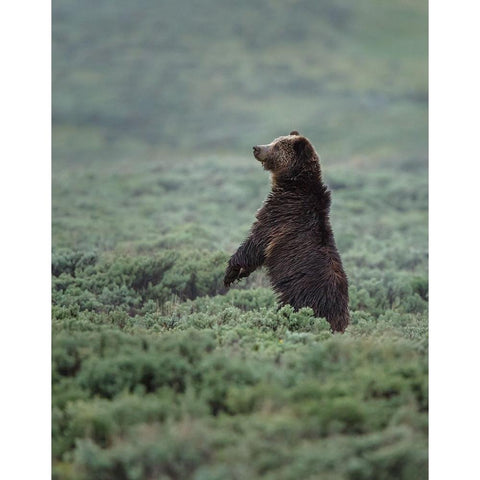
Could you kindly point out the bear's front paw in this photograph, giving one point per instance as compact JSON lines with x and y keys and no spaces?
{"x":244,"y":272}
{"x":231,"y":274}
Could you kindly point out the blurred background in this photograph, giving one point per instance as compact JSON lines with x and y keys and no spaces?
{"x":212,"y":75}
{"x":150,"y":83}
{"x":156,"y":105}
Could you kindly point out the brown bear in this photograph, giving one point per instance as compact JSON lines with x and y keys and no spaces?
{"x":292,"y":235}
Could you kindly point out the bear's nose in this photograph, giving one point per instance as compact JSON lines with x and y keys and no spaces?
{"x":256,"y":150}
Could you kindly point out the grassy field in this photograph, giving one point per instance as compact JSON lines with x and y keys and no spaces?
{"x":158,"y":372}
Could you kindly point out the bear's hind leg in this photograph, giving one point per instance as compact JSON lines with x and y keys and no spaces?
{"x":339,"y":322}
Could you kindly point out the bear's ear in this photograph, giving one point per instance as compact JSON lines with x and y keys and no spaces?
{"x":303,"y":149}
{"x":294,"y":133}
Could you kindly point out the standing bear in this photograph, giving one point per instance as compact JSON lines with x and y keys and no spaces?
{"x":292,"y":236}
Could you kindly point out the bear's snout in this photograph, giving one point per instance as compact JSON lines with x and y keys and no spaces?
{"x":259,"y":152}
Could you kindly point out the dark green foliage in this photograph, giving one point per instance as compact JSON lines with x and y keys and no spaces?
{"x":137,"y":284}
{"x":157,"y":371}
{"x":135,"y":395}
{"x":67,"y":261}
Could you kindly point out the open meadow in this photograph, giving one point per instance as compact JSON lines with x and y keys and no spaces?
{"x":158,"y":371}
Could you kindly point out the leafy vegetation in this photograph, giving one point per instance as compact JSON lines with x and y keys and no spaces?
{"x":158,"y":372}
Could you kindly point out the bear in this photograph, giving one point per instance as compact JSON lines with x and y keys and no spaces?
{"x":292,"y":236}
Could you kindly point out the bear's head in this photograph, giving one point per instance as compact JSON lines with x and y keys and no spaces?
{"x":288,"y":157}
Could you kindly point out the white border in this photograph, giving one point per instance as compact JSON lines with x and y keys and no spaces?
{"x":454,"y":73}
{"x":25,"y":42}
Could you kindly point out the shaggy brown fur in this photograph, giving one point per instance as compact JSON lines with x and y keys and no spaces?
{"x":292,"y":235}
